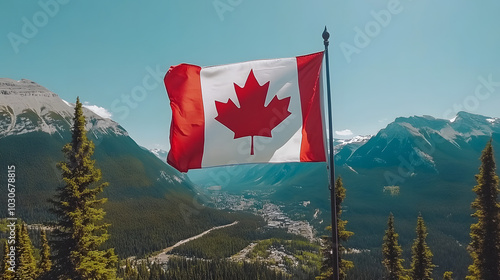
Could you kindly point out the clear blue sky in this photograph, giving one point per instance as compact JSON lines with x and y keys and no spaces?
{"x":426,"y":59}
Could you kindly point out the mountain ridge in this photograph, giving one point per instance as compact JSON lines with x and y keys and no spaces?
{"x":419,"y":137}
{"x":35,"y":124}
{"x":26,"y":106}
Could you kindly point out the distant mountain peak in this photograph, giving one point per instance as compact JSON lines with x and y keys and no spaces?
{"x":12,"y":81}
{"x":26,"y":106}
{"x":423,"y":121}
{"x":415,"y":118}
{"x":344,"y":148}
{"x":23,"y":87}
{"x":470,"y":116}
{"x":159,"y":153}
{"x":355,"y":139}
{"x":474,"y":124}
{"x":465,"y":114}
{"x":418,"y":137}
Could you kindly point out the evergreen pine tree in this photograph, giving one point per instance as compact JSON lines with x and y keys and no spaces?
{"x":26,"y":263}
{"x":155,"y":271}
{"x":142,"y":271}
{"x":392,"y":252}
{"x":485,"y":234}
{"x":80,"y":231}
{"x":45,"y":262}
{"x":421,"y":263}
{"x":448,"y":275}
{"x":130,"y":272}
{"x":344,"y":235}
{"x":327,"y":253}
{"x":5,"y":259}
{"x":5,"y":273}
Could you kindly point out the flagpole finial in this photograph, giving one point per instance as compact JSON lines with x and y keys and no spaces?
{"x":326,"y":35}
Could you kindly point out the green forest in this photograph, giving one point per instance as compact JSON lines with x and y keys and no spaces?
{"x":84,"y":241}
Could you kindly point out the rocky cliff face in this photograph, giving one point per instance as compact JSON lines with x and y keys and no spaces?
{"x":26,"y":106}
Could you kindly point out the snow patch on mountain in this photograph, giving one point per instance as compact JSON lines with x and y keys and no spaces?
{"x":69,"y":104}
{"x":428,"y":159}
{"x":344,"y":148}
{"x":352,"y":169}
{"x":159,"y":153}
{"x":356,"y":140}
{"x":170,"y":178}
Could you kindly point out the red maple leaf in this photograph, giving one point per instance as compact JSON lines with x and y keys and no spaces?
{"x":252,"y":118}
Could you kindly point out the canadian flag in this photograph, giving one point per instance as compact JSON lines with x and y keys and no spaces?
{"x":252,"y":112}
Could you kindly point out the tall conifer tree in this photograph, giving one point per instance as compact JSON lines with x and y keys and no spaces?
{"x":392,"y":252}
{"x":485,"y":234}
{"x":45,"y":262}
{"x":5,"y":259}
{"x":448,"y":275}
{"x":5,"y":273}
{"x":130,"y":271}
{"x":421,"y":263}
{"x":26,"y":263}
{"x":344,"y":235}
{"x":80,"y":231}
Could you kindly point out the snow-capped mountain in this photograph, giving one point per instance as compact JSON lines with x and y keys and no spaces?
{"x":358,"y":140}
{"x":345,"y":147}
{"x":26,"y":106}
{"x":160,"y":153}
{"x":470,"y":125}
{"x":423,"y":140}
{"x":410,"y":145}
{"x":35,"y":124}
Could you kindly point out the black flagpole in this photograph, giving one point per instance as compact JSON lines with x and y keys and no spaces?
{"x":331,"y":165}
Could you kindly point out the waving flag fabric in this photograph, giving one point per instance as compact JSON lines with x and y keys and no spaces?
{"x":252,"y":112}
